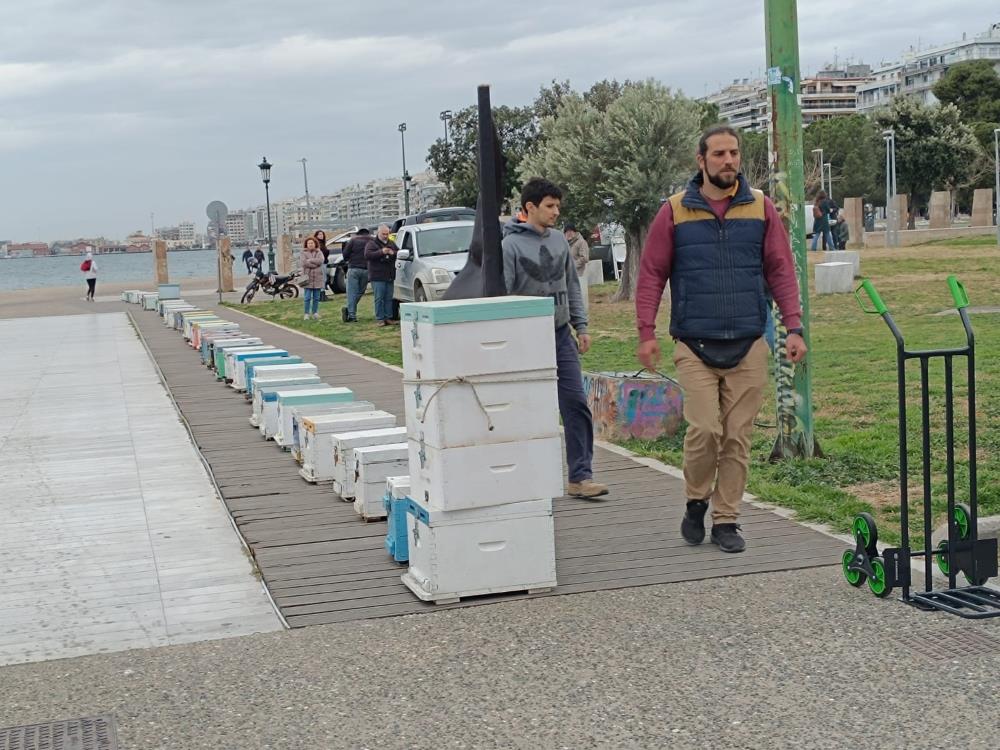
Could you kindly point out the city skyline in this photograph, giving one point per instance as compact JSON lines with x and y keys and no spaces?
{"x":124,"y":113}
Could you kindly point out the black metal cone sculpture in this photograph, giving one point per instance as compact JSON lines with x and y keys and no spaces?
{"x":482,"y":275}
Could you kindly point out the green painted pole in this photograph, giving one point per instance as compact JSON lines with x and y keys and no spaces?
{"x":794,"y":384}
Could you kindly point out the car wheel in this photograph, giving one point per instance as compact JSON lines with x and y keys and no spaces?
{"x":340,"y":282}
{"x":419,"y":295}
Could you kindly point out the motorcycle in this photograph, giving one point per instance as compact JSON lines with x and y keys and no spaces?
{"x":283,"y":287}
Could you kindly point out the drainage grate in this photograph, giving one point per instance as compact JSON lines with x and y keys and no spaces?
{"x":95,"y":733}
{"x":958,"y":643}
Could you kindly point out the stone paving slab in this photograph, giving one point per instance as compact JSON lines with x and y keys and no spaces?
{"x":111,"y":531}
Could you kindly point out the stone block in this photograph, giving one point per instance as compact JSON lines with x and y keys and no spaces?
{"x":834,"y":278}
{"x":593,"y":273}
{"x":160,"y":260}
{"x":940,"y":209}
{"x":854,"y":214}
{"x":982,"y":208}
{"x":845,"y":256}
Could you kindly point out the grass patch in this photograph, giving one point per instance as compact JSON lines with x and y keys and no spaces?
{"x":854,"y":384}
{"x":986,"y":240}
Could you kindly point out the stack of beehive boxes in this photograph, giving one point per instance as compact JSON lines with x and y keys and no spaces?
{"x":485,"y":456}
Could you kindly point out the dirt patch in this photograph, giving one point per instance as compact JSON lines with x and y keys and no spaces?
{"x":881,"y":495}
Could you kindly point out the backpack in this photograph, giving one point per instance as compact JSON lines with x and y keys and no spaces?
{"x":817,"y":212}
{"x":85,"y":266}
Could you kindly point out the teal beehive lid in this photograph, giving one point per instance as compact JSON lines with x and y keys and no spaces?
{"x":476,"y":310}
{"x":328,"y":396}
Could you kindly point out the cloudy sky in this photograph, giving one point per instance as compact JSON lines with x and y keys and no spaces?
{"x":114,"y":109}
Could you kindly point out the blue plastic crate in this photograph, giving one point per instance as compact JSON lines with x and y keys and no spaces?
{"x":395,"y":540}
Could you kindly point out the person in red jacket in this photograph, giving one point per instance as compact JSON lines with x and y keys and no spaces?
{"x":722,"y":247}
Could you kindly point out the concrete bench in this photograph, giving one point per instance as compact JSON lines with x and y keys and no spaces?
{"x":851,"y":256}
{"x":834,"y":278}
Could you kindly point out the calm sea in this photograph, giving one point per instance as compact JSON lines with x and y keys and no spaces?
{"x":31,"y":273}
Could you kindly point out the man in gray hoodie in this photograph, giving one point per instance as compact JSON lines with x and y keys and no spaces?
{"x":537,"y":262}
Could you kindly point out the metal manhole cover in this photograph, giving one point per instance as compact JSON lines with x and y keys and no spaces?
{"x":953,"y":644}
{"x":94,"y":733}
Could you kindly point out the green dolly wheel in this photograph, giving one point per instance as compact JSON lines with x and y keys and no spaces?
{"x":866,"y":532}
{"x":854,"y":577}
{"x":877,"y":584}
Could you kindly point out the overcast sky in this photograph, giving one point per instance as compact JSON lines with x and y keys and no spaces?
{"x":114,"y":109}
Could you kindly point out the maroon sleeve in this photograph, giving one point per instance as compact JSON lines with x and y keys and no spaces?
{"x":779,"y":268}
{"x":654,"y":270}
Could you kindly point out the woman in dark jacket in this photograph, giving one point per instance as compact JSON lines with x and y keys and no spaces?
{"x":381,"y":256}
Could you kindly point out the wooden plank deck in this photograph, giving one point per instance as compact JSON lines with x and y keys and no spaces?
{"x":323,"y":564}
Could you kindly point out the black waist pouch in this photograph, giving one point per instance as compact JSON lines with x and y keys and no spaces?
{"x":721,"y":354}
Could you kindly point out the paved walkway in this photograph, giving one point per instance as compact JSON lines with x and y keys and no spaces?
{"x":111,"y":535}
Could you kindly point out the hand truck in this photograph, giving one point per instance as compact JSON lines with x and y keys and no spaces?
{"x":962,"y":552}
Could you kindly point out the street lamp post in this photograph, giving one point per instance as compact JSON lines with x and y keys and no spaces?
{"x":406,"y":175}
{"x":829,"y":180}
{"x":265,"y":175}
{"x":996,"y":191}
{"x":305,"y":179}
{"x":822,"y":185}
{"x":891,"y":209}
{"x":445,"y":117}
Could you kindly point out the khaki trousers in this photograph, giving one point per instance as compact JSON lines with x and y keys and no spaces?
{"x":719,"y":407}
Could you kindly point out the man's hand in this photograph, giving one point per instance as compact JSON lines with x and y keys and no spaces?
{"x":649,"y":354}
{"x":795,"y":347}
{"x":583,"y":342}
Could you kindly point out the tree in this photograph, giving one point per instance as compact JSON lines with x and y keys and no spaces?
{"x":935,"y":150}
{"x":620,"y":164}
{"x":974,"y":87}
{"x":755,"y":159}
{"x":854,"y":148}
{"x":457,"y":166}
{"x":603,"y":93}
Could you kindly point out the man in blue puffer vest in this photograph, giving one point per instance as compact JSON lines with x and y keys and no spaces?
{"x":722,"y":246}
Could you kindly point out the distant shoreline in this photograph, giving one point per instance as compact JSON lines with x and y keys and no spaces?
{"x":110,"y":252}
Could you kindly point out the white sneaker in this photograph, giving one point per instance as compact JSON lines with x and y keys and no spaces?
{"x":305,"y":317}
{"x":315,"y":316}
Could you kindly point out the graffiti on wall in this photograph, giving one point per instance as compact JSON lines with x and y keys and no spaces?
{"x":633,"y":405}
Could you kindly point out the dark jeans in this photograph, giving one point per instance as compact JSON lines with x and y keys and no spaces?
{"x":383,"y":299}
{"x":578,"y":424}
{"x":357,"y":282}
{"x":91,"y":285}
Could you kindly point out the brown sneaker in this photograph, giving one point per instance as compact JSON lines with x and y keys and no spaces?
{"x":588,"y":488}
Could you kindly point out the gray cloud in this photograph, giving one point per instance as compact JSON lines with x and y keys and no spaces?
{"x":112,"y":109}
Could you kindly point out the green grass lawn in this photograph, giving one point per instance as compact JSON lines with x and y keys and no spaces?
{"x":854,"y":384}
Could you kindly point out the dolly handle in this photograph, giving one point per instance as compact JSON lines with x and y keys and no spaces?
{"x":958,"y":292}
{"x":873,"y":295}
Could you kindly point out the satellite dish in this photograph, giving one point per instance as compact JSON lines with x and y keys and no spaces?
{"x":217,"y":213}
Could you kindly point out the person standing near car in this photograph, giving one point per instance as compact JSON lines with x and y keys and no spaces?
{"x":320,"y":236}
{"x":579,"y":250}
{"x":315,"y":273}
{"x":536,"y":262}
{"x":381,"y":255}
{"x":723,"y":248}
{"x":357,"y":271}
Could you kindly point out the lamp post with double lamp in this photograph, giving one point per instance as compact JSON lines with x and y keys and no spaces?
{"x":996,"y":191}
{"x":406,"y":175}
{"x":265,"y":175}
{"x":445,"y":117}
{"x":822,"y":184}
{"x":891,"y":209}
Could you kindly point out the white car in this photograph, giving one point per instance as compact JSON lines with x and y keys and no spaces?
{"x":429,"y":258}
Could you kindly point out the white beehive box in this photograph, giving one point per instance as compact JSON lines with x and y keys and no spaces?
{"x":149,"y":300}
{"x":316,"y":438}
{"x":320,"y":410}
{"x":239,"y":373}
{"x":374,"y":464}
{"x":343,"y":454}
{"x":254,"y":370}
{"x":217,"y":359}
{"x":485,"y":551}
{"x":270,"y":422}
{"x":525,"y":407}
{"x":196,"y":317}
{"x":494,"y":335}
{"x":482,"y":475}
{"x":223,"y":359}
{"x":287,"y":402}
{"x":261,"y":389}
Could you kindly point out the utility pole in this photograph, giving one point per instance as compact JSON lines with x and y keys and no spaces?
{"x":305,"y":179}
{"x":794,"y":384}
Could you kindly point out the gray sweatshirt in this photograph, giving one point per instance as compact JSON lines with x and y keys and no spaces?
{"x":540,"y":265}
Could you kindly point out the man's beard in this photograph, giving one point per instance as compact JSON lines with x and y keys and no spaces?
{"x":722,"y":182}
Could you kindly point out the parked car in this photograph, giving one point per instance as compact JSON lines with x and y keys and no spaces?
{"x":430,"y":256}
{"x":336,"y":272}
{"x":431,"y":215}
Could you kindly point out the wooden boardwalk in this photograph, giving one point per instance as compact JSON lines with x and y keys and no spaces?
{"x":323,"y":564}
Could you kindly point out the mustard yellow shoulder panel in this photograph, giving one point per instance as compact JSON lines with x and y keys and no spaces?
{"x":682,"y":213}
{"x":753,"y":210}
